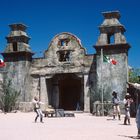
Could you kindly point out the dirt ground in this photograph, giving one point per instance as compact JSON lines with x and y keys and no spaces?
{"x":84,"y":126}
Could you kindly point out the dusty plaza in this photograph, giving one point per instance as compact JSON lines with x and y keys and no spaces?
{"x":84,"y":126}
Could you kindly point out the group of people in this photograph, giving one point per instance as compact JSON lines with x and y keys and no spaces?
{"x":116,"y":109}
{"x":127,"y":102}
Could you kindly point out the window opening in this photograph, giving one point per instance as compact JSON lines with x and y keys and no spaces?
{"x":15,"y":46}
{"x":111,"y":39}
{"x":64,"y":42}
{"x":64,"y":56}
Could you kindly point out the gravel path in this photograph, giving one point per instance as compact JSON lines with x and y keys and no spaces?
{"x":84,"y":126}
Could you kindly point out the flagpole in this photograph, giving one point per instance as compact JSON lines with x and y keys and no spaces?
{"x":102,"y":95}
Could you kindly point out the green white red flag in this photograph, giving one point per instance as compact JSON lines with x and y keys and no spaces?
{"x":109,"y":60}
{"x":2,"y":64}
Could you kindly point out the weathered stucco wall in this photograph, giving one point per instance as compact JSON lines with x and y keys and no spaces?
{"x":66,"y":55}
{"x":112,"y":77}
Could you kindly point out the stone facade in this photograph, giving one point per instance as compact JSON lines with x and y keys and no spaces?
{"x":66,"y":75}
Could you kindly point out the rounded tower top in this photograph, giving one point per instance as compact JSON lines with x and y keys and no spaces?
{"x":17,"y":39}
{"x":111,"y":21}
{"x":111,"y":14}
{"x":18,"y":33}
{"x":18,"y":29}
{"x":111,"y":30}
{"x":18,"y":26}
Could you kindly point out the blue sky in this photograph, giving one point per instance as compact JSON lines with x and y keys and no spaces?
{"x":47,"y":18}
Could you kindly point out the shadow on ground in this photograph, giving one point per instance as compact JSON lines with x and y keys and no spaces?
{"x":132,"y":137}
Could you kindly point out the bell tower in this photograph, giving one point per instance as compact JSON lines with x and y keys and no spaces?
{"x":18,"y":57}
{"x":113,"y":45}
{"x":17,"y":44}
{"x":111,"y":30}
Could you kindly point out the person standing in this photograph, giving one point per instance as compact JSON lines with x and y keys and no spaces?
{"x":138,"y":121}
{"x":127,"y":101}
{"x":37,"y":109}
{"x":116,"y":107}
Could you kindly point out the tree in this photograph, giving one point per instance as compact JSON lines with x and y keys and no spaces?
{"x":9,"y":97}
{"x":134,"y":75}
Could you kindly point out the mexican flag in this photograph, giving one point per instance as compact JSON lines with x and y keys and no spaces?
{"x":109,"y":60}
{"x":2,"y":64}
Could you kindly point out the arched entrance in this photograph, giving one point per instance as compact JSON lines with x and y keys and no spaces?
{"x":70,"y":92}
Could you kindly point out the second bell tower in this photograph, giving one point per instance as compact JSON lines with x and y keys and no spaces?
{"x":112,"y":45}
{"x":18,"y":57}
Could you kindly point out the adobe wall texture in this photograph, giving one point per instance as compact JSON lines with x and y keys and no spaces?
{"x":66,"y":57}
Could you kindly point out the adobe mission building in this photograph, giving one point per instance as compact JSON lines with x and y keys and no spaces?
{"x":66,"y":74}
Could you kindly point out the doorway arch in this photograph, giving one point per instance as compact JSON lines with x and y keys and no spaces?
{"x":70,"y":92}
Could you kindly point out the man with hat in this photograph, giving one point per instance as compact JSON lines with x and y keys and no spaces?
{"x":116,"y":107}
{"x":127,"y":101}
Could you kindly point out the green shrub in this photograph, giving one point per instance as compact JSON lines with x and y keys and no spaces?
{"x":9,"y":97}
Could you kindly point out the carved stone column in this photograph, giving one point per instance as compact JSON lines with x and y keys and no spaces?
{"x":43,"y":91}
{"x":56,"y":95}
{"x":86,"y":95}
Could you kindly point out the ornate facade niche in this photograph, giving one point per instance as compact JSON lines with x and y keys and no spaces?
{"x":65,"y":48}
